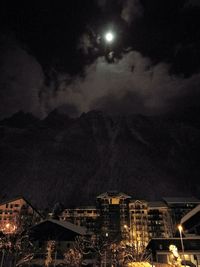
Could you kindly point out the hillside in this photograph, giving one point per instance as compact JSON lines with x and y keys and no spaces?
{"x":73,"y":160}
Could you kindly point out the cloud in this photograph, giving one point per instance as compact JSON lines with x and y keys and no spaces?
{"x":192,"y":3}
{"x":132,"y":9}
{"x":21,"y":77}
{"x":131,"y":85}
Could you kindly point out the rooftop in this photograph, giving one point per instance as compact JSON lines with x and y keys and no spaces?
{"x":176,"y":200}
{"x":157,"y":204}
{"x":56,"y":230}
{"x":116,"y":194}
{"x":190,"y":214}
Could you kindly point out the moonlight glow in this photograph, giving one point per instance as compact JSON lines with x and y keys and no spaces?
{"x":109,"y":37}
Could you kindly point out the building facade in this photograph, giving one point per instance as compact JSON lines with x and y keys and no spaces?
{"x":170,"y":251}
{"x":136,"y":222}
{"x":16,"y":214}
{"x":179,"y":207}
{"x":82,"y":216}
{"x":114,"y":213}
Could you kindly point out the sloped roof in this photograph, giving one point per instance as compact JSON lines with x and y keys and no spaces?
{"x":173,"y":200}
{"x":75,"y":228}
{"x":56,"y":230}
{"x":17,"y":198}
{"x":191,"y":221}
{"x":13,"y":199}
{"x":109,"y":194}
{"x":140,"y":201}
{"x":190,"y":214}
{"x":157,"y":204}
{"x":85,"y":208}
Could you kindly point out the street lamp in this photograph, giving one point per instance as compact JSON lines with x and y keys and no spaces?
{"x":105,"y":262}
{"x":180,"y":228}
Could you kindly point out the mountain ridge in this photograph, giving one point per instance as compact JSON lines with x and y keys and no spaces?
{"x":73,"y":160}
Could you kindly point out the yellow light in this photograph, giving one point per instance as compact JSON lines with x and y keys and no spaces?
{"x":180,"y":228}
{"x":7,"y":225}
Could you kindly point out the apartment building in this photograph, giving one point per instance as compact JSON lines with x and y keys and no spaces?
{"x":119,"y":216}
{"x":86,"y":216}
{"x":138,"y":224}
{"x":179,"y":207}
{"x":15,"y":213}
{"x":114,"y":213}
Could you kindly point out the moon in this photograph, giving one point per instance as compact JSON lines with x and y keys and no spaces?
{"x":109,"y":37}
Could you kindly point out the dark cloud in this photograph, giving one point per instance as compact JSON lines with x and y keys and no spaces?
{"x":131,"y":85}
{"x":132,"y":9}
{"x":190,"y":3}
{"x":21,"y":78}
{"x":128,"y":103}
{"x":64,"y":64}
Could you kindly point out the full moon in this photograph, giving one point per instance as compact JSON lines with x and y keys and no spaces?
{"x":109,"y":37}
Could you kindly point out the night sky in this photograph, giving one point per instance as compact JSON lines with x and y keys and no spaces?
{"x":55,"y":56}
{"x":56,"y":64}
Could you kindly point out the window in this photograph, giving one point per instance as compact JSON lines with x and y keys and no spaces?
{"x":7,"y":205}
{"x":16,"y":205}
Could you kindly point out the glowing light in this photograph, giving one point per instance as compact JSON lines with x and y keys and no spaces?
{"x":180,"y":228}
{"x":7,"y":225}
{"x":9,"y":228}
{"x":109,"y":37}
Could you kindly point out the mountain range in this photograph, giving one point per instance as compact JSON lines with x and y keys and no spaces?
{"x":72,"y":160}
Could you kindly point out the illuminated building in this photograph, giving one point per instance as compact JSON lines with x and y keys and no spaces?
{"x":180,"y":207}
{"x":119,"y":216}
{"x":138,"y":223}
{"x":82,"y":216}
{"x":191,"y":222}
{"x":159,"y":220}
{"x":114,"y":212}
{"x":15,"y":214}
{"x":148,"y":220}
